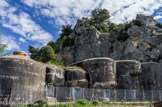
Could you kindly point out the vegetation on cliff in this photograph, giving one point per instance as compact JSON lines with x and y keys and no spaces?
{"x":64,"y":48}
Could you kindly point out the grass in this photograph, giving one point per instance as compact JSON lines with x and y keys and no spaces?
{"x":116,"y":104}
{"x":73,"y":67}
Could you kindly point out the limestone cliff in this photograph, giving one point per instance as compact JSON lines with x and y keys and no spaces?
{"x":139,"y":40}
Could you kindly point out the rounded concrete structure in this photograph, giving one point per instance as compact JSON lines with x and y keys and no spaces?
{"x":22,"y":80}
{"x":128,"y":72}
{"x":101,"y":72}
{"x":75,"y":78}
{"x":152,"y":75}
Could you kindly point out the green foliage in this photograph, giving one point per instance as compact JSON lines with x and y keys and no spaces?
{"x":95,"y":102}
{"x":99,"y":16}
{"x":47,"y":54}
{"x":112,"y":26}
{"x":69,"y":41}
{"x":34,"y":53}
{"x":57,"y":63}
{"x":159,"y":25}
{"x":2,"y":47}
{"x":67,"y":105}
{"x":107,"y":34}
{"x":137,"y":22}
{"x":123,"y":36}
{"x":82,"y":102}
{"x":66,"y":31}
{"x":102,"y":28}
{"x":89,"y":28}
{"x":39,"y":103}
{"x":55,"y":45}
{"x":127,"y":26}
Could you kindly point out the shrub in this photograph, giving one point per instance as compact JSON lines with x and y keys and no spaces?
{"x":89,"y":28}
{"x":67,"y":105}
{"x":102,"y":28}
{"x":99,"y":28}
{"x":69,"y":41}
{"x":127,"y":26}
{"x":159,"y":25}
{"x":123,"y":36}
{"x":55,"y":45}
{"x":47,"y":54}
{"x":39,"y":103}
{"x":137,"y":22}
{"x":82,"y":102}
{"x":112,"y":26}
{"x":95,"y":102}
{"x":61,"y":105}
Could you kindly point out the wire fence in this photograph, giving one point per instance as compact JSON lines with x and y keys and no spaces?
{"x":18,"y":97}
{"x":69,"y":94}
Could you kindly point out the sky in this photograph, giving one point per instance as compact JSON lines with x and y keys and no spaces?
{"x":36,"y":22}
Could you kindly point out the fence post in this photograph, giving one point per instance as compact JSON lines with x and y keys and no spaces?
{"x":152,"y":94}
{"x":83,"y":92}
{"x":160,"y":94}
{"x":125,"y":95}
{"x":115,"y":95}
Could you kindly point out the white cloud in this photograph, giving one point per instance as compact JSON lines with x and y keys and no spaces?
{"x":22,"y":24}
{"x":157,"y":17}
{"x":11,"y":43}
{"x":22,"y":40}
{"x":120,"y":10}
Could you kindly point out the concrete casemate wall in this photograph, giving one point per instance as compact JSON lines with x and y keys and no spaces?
{"x":101,"y":72}
{"x":21,"y":79}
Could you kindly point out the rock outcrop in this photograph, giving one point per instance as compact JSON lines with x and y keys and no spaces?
{"x":141,"y":42}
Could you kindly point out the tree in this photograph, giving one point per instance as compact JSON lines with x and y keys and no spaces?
{"x":99,"y":16}
{"x":54,"y":45}
{"x":66,"y":31}
{"x":34,"y":53}
{"x":47,"y":54}
{"x":2,"y":47}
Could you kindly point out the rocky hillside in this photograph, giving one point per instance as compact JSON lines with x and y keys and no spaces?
{"x":140,"y":39}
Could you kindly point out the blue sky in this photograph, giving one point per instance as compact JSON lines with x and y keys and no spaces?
{"x":35,"y":22}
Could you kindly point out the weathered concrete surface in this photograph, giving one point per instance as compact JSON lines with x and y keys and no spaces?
{"x":152,"y":75}
{"x":55,"y":75}
{"x":76,"y":78}
{"x":21,"y":79}
{"x":128,"y":74}
{"x":101,"y":72}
